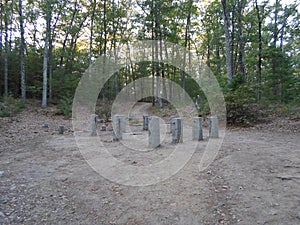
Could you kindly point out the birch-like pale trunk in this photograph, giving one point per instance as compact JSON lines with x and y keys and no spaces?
{"x":46,"y":59}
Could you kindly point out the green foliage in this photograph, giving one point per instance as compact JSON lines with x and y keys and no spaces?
{"x":10,"y":106}
{"x":291,"y":111}
{"x":65,"y":106}
{"x":64,"y":84}
{"x":241,"y":107}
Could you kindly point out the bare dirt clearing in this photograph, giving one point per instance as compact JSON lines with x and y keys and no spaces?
{"x":44,"y":179}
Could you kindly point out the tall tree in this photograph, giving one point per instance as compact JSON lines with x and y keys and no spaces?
{"x":186,"y":42}
{"x":227,"y":40}
{"x":259,"y":63}
{"x":22,"y":53}
{"x":6,"y":15}
{"x":46,"y":52}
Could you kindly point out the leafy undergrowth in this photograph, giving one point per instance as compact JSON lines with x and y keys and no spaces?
{"x":10,"y":106}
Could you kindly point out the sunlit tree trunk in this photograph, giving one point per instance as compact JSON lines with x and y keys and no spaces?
{"x":46,"y":55}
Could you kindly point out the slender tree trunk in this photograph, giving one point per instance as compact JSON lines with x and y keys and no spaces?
{"x":259,"y":62}
{"x":218,"y":57}
{"x":241,"y":42}
{"x":153,"y":51}
{"x":11,"y":19}
{"x":208,"y":53}
{"x":157,"y":68}
{"x":114,"y":44}
{"x":46,"y":56}
{"x":1,"y":33}
{"x":186,"y":40}
{"x":92,"y":31}
{"x":51,"y":40}
{"x":6,"y":53}
{"x":63,"y":50}
{"x":22,"y":55}
{"x":234,"y":47}
{"x":1,"y":36}
{"x":105,"y":37}
{"x":50,"y":66}
{"x":164,"y":89}
{"x":274,"y":59}
{"x":227,"y":41}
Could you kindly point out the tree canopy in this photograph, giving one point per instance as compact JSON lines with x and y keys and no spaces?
{"x":251,"y":46}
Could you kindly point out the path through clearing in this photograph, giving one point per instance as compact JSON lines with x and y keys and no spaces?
{"x":255,"y":179}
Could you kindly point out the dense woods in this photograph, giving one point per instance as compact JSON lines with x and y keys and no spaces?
{"x":251,"y":46}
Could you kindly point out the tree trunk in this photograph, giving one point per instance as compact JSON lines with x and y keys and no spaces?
{"x":6,"y":53}
{"x":274,"y":59}
{"x":186,"y":40}
{"x":67,"y":34}
{"x":259,"y":62}
{"x":153,"y":51}
{"x":105,"y":37}
{"x":46,"y":57}
{"x":22,"y":55}
{"x":1,"y":34}
{"x":227,"y":41}
{"x":50,"y":58}
{"x":241,"y":42}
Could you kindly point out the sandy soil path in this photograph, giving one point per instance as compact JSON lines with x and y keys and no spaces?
{"x":44,"y":179}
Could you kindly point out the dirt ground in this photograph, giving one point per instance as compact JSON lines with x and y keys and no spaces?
{"x":44,"y":179}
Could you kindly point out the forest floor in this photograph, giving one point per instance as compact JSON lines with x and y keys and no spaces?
{"x":44,"y":179}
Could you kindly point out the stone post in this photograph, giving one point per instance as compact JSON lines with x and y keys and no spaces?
{"x":61,"y":129}
{"x":122,"y":123}
{"x":177,"y":130}
{"x":197,"y":129}
{"x":94,"y":124}
{"x":118,"y":127}
{"x":145,"y":122}
{"x":172,"y":117}
{"x":103,"y":127}
{"x":213,"y":127}
{"x":154,"y":132}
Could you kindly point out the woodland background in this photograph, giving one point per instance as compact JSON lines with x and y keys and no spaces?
{"x":251,"y":46}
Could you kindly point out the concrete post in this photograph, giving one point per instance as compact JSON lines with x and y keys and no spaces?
{"x":93,"y":124}
{"x":197,"y":129}
{"x":172,"y":117}
{"x":213,"y":127}
{"x":61,"y":129}
{"x":177,"y":130}
{"x":103,"y":127}
{"x":118,"y":122}
{"x":154,"y":132}
{"x":122,"y":123}
{"x":145,"y":122}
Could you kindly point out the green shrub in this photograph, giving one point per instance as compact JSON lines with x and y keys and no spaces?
{"x":10,"y":106}
{"x":241,"y":107}
{"x":65,"y":106}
